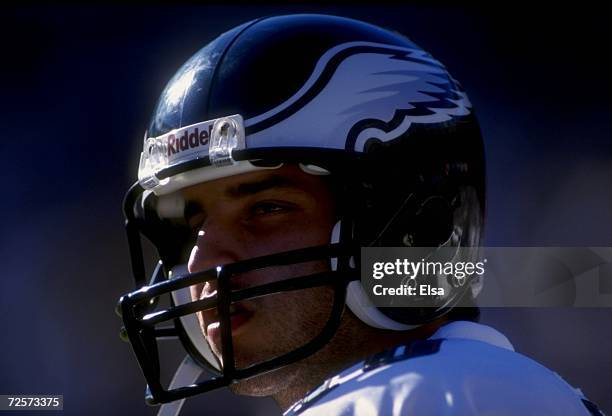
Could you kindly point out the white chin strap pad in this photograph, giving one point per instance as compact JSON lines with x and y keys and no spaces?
{"x":359,"y":303}
{"x":190,"y":322}
{"x":187,"y":373}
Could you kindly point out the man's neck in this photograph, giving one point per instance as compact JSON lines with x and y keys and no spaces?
{"x":352,"y":343}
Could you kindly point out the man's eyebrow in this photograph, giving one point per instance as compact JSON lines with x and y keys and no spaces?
{"x":251,"y":188}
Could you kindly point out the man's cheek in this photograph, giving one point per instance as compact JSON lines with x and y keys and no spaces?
{"x":265,"y":276}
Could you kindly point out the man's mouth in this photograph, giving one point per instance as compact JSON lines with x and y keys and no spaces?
{"x":239,"y":315}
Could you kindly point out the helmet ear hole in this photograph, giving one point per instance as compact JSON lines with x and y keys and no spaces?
{"x":429,"y":225}
{"x":433,"y":224}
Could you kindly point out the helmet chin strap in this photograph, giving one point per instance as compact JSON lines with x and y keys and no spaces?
{"x":187,"y":373}
{"x":359,"y":303}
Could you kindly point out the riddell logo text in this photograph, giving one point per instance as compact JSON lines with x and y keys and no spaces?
{"x":188,"y":140}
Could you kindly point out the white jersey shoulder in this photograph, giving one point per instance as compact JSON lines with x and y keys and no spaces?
{"x":465,"y":368}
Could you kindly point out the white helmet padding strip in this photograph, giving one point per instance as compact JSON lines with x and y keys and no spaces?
{"x":359,"y":303}
{"x":190,"y":322}
{"x":187,"y":373}
{"x":204,"y":174}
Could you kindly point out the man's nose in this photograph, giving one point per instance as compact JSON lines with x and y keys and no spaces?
{"x":216,"y":245}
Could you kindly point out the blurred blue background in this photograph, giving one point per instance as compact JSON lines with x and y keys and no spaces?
{"x":78,"y":86}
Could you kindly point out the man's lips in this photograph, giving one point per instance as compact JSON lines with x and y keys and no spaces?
{"x":239,"y":315}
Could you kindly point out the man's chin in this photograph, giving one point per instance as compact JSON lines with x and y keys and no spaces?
{"x":268,"y":384}
{"x":244,"y":355}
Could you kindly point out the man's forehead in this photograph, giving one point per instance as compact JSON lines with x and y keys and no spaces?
{"x":285,"y":177}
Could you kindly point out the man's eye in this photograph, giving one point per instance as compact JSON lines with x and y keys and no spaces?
{"x":266,"y":208}
{"x":196,"y":222}
{"x":194,"y":215}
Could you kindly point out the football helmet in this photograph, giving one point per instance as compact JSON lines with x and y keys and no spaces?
{"x":334,"y":96}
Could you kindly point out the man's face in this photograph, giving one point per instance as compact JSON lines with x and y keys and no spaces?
{"x":252,"y":215}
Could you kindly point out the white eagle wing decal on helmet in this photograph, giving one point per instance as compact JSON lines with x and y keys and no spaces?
{"x":358,"y":91}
